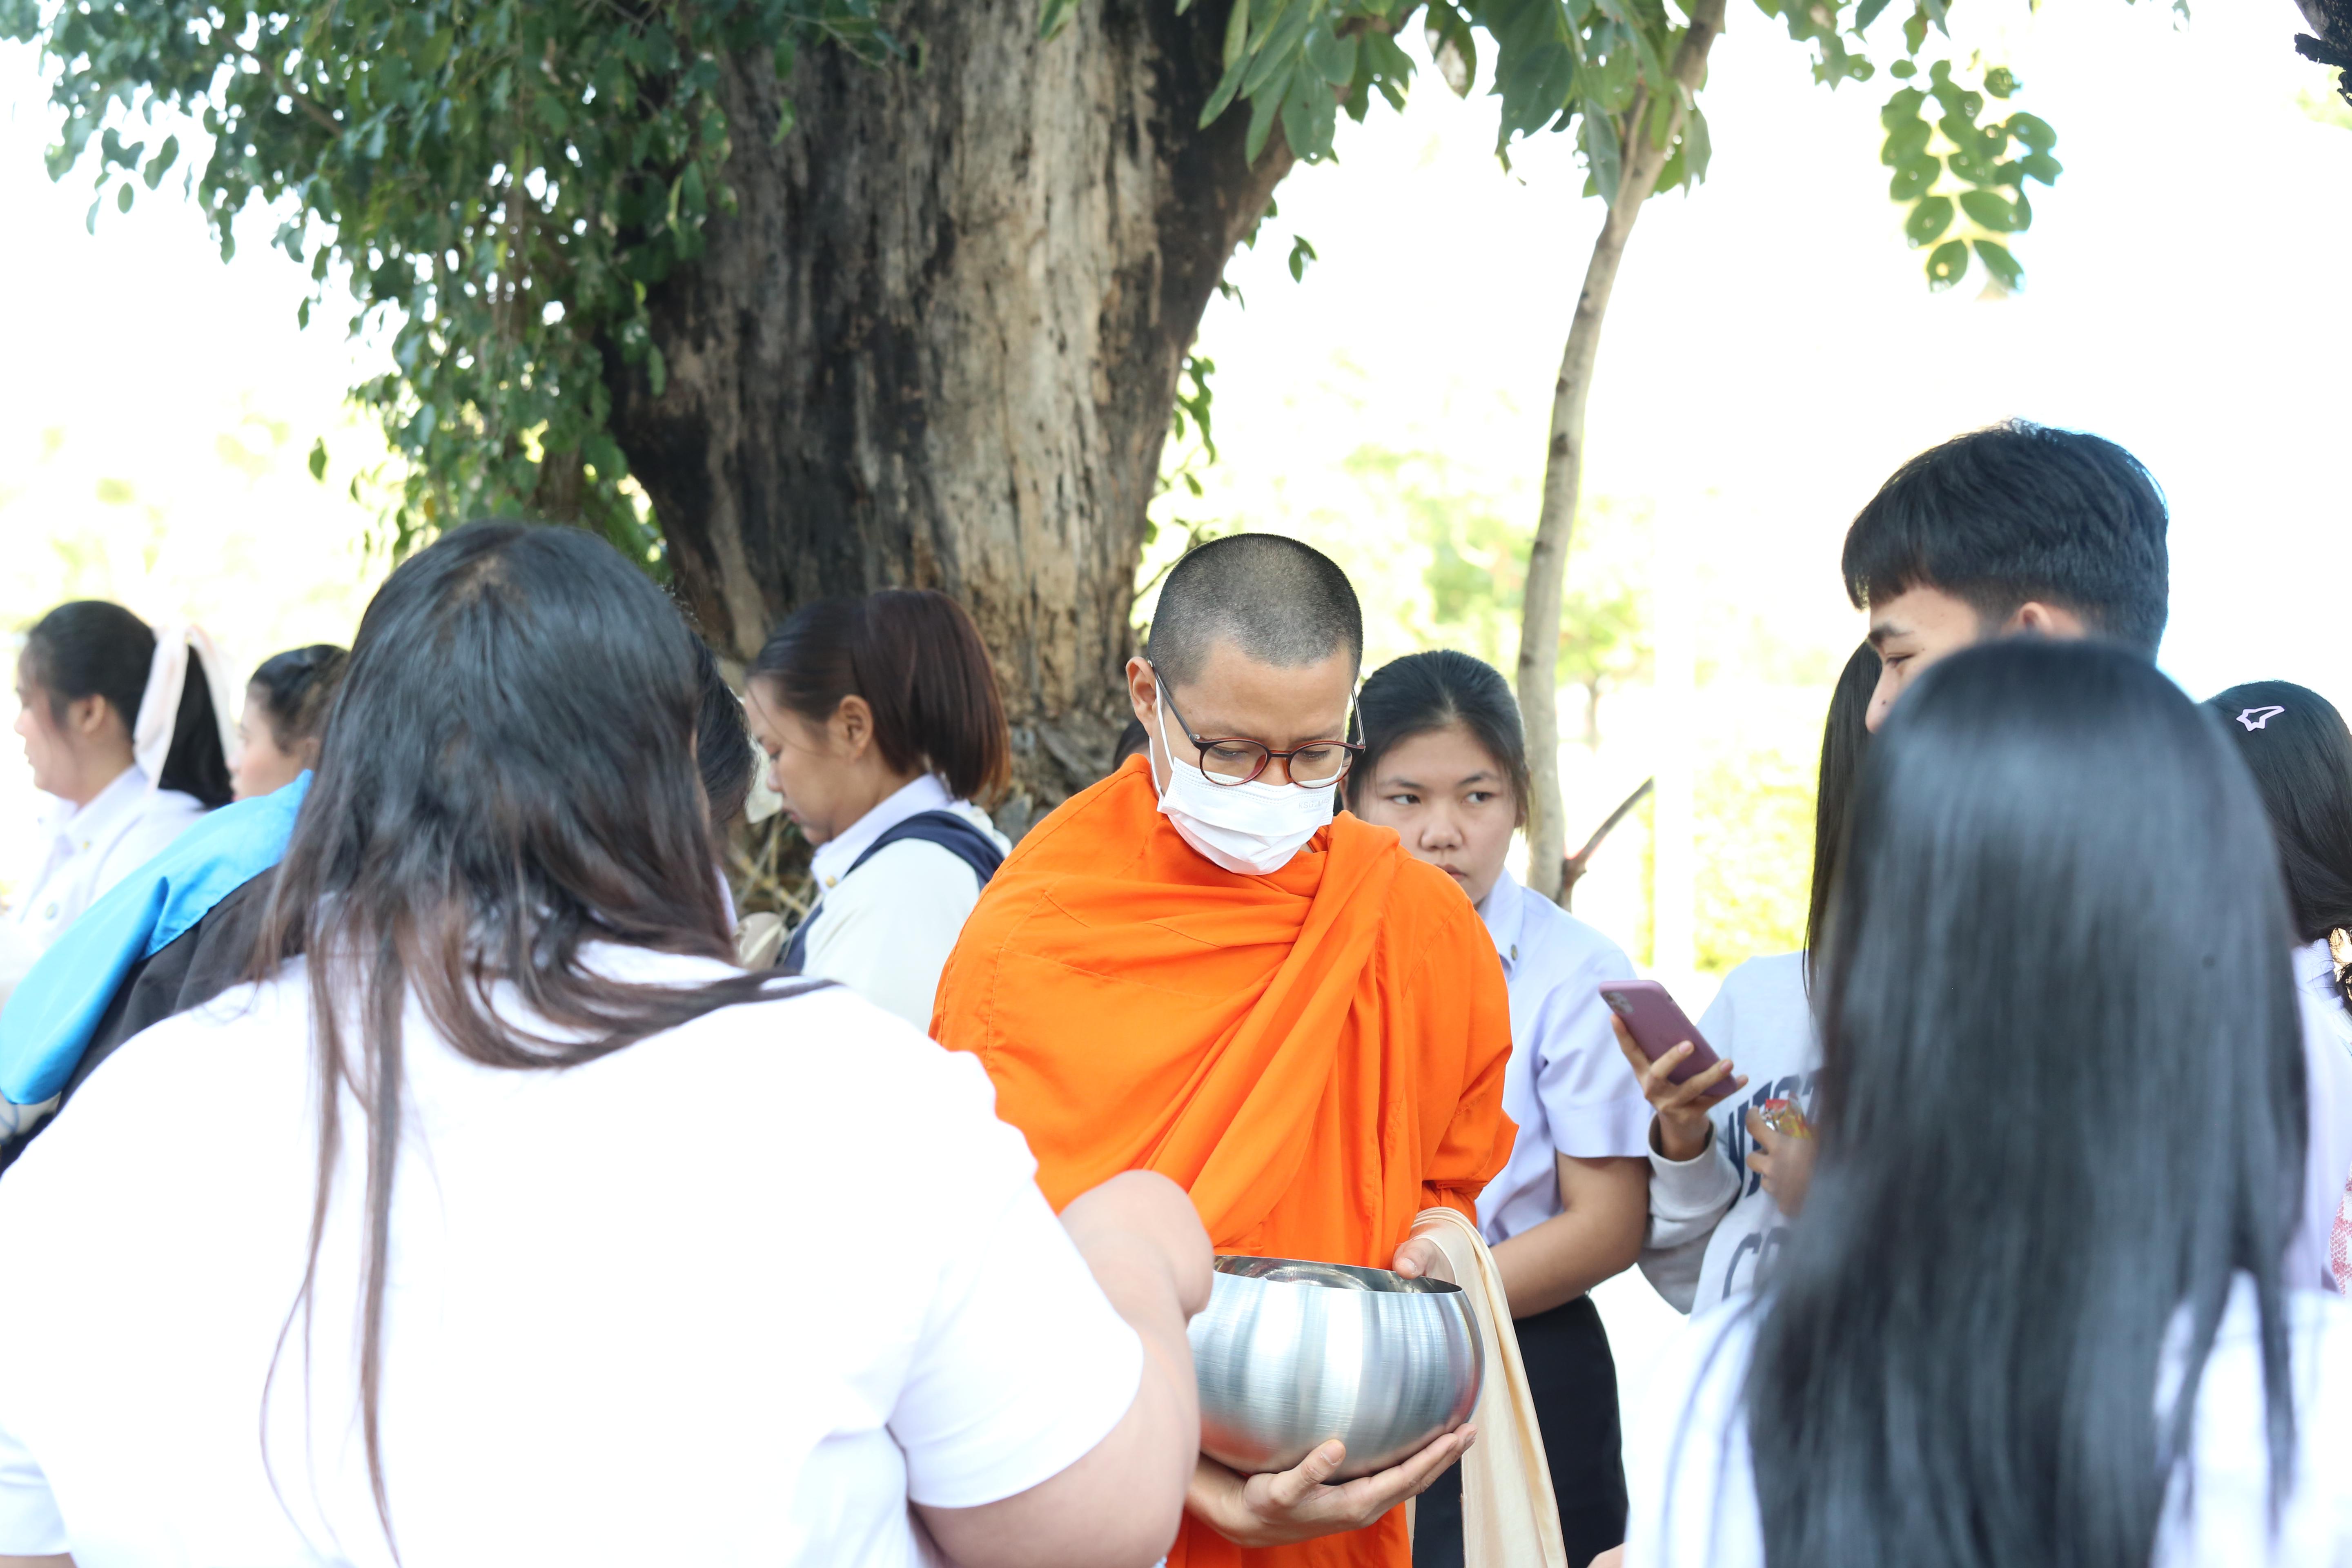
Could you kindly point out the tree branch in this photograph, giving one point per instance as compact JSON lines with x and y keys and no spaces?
{"x":1643,"y":159}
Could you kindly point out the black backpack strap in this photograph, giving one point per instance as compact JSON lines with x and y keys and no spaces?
{"x":944,"y":829}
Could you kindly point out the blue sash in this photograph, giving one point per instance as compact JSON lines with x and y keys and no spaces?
{"x":48,"y":1020}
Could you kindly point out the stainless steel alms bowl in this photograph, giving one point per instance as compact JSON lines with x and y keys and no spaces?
{"x":1291,"y":1354}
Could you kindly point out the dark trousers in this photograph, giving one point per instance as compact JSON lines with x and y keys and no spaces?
{"x":1574,"y":1380}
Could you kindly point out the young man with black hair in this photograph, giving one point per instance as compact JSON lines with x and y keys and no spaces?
{"x":2017,"y":528}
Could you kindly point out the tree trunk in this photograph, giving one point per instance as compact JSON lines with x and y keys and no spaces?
{"x":1564,"y":465}
{"x":938,"y":343}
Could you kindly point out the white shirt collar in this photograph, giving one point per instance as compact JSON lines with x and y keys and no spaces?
{"x":1505,"y":914}
{"x":833,"y":859}
{"x":2314,"y":970}
{"x":79,"y":828}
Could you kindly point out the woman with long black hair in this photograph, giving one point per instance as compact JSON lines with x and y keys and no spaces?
{"x":127,"y":734}
{"x":2301,"y":755}
{"x":496,"y":1219}
{"x":2034,"y":1313}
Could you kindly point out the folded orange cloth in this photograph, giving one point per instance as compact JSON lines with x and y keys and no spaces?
{"x":1315,"y":1055}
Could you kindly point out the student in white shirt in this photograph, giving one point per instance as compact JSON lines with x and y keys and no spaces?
{"x":884,"y":727}
{"x":129,"y":742}
{"x":285,"y":708}
{"x":1723,"y":1186}
{"x":561,"y":1269}
{"x":2301,"y":755}
{"x":2036,"y":1312}
{"x":1445,"y":764}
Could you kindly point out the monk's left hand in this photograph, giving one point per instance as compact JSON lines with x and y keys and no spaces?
{"x":1422,"y":1257}
{"x":1302,"y":1505}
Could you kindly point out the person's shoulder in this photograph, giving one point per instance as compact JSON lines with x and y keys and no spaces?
{"x":1777,"y":976}
{"x":1564,"y":944}
{"x":1119,"y":807}
{"x":902,"y":869}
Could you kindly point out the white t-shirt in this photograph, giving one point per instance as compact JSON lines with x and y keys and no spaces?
{"x":1714,"y":1230}
{"x":2327,"y":1076}
{"x":733,"y":1294}
{"x":85,"y":850}
{"x":1689,"y":1467}
{"x":887,"y":932}
{"x":1567,"y":1086}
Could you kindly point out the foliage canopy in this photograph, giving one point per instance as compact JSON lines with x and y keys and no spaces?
{"x":497,"y":183}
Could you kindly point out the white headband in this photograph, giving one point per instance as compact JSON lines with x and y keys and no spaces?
{"x":158,"y":705}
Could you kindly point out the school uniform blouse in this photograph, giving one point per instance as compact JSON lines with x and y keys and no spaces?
{"x":85,"y":851}
{"x":2328,"y":1087}
{"x":887,"y":932}
{"x":1567,"y":1087}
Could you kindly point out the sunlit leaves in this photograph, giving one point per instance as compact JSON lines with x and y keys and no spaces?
{"x":1987,"y":184}
{"x":1946,"y":264}
{"x":1930,"y":216}
{"x":497,"y":182}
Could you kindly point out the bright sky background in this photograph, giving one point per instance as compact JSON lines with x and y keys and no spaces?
{"x":1772,"y":354}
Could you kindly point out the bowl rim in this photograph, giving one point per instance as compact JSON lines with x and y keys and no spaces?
{"x":1372,"y":1281}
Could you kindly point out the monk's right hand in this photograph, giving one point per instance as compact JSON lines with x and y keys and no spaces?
{"x":1298,"y":1505}
{"x":1681,"y":1129}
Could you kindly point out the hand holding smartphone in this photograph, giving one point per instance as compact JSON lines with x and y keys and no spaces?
{"x":1650,"y":1030}
{"x":1658,"y":1025}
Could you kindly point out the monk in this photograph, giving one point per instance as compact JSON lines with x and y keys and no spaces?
{"x":1195,"y":968}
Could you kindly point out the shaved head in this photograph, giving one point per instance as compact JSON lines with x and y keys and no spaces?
{"x":1277,"y":601}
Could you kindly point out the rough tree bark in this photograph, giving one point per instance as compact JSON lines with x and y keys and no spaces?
{"x":1564,"y":464}
{"x":938,"y":345}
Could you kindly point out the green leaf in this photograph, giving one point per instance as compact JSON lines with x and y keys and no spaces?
{"x":122,"y":196}
{"x":318,"y":459}
{"x":1333,"y":58}
{"x":2041,"y":166}
{"x":1452,"y":46}
{"x":1915,"y":31}
{"x":1903,"y":111}
{"x":1928,"y":220}
{"x":1053,"y":15}
{"x":1236,"y":38}
{"x":1698,"y":144}
{"x":1277,"y":55}
{"x":786,"y":118}
{"x":1867,"y":13}
{"x":1946,"y":264}
{"x":1901,"y":70}
{"x":1989,"y":209}
{"x":656,"y":370}
{"x":2000,"y":81}
{"x":2001,"y":264}
{"x":2032,"y":130}
{"x":1264,"y":107}
{"x":1301,"y":253}
{"x":1905,"y":143}
{"x":1914,"y":179}
{"x":1602,"y":154}
{"x":166,"y":156}
{"x":1229,"y":84}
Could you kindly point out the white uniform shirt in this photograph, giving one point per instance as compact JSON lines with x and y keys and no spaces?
{"x":637,"y":1313}
{"x":1689,"y":1469}
{"x":2327,"y":1079}
{"x":887,"y":932}
{"x":1713,"y":1228}
{"x":86,"y":850}
{"x":1567,"y":1085}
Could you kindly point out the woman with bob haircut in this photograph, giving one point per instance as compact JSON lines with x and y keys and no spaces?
{"x":124,"y":733}
{"x":2035,"y":1311}
{"x":885,"y":732}
{"x":1445,"y":764}
{"x":2301,"y":755}
{"x":494,"y":1219}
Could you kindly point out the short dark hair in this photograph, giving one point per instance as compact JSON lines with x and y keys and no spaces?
{"x":295,"y":688}
{"x":1282,"y":603}
{"x":1844,"y":735}
{"x":2301,"y":756}
{"x":91,"y":648}
{"x":917,"y":659}
{"x":2020,"y":512}
{"x":722,"y":742}
{"x":1425,"y":692}
{"x":2058,"y":917}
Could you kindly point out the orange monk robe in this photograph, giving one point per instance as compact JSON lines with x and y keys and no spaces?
{"x":1315,"y":1055}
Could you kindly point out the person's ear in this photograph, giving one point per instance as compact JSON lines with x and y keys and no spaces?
{"x":853,"y":726}
{"x":2036,"y":617}
{"x":306,"y":752}
{"x":86,"y":716}
{"x":1142,"y":693}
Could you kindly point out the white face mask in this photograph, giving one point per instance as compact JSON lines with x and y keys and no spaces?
{"x":1247,"y":828}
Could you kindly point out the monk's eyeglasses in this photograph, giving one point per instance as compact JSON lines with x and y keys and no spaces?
{"x":1237,"y":760}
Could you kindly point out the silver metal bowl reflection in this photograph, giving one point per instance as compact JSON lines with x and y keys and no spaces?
{"x":1291,"y":1354}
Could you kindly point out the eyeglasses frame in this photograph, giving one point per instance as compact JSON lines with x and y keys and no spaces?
{"x":1350,"y":750}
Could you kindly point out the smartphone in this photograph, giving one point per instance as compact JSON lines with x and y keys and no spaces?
{"x":1658,"y":1025}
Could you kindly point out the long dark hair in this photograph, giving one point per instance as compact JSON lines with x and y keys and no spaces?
{"x":90,"y":647}
{"x":722,"y":742}
{"x":1844,"y":735}
{"x":2301,"y":755}
{"x":506,"y":776}
{"x":1425,"y":692}
{"x":295,"y":688}
{"x":2062,"y":1101}
{"x":918,"y":660}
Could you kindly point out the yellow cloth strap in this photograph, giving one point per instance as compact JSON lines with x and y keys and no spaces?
{"x":1509,"y":1519}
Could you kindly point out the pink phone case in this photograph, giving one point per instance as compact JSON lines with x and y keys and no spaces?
{"x":1658,"y":1025}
